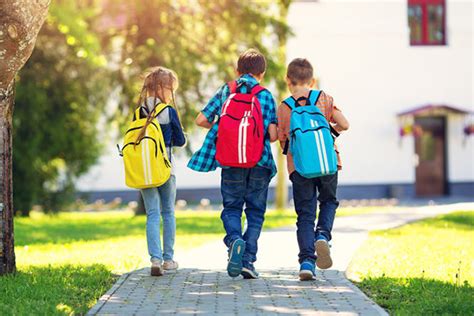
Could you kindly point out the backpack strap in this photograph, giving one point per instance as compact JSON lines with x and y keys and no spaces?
{"x":290,"y":102}
{"x":257,"y":89}
{"x":160,"y":108}
{"x":313,"y":100}
{"x":138,"y":113}
{"x":313,"y":97}
{"x":232,"y":86}
{"x":287,"y":145}
{"x":141,"y":109}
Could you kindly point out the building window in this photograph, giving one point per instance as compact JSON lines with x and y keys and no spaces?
{"x":427,"y":22}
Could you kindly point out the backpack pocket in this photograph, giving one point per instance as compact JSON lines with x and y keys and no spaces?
{"x":146,"y":162}
{"x":312,"y":145}
{"x":240,"y":136}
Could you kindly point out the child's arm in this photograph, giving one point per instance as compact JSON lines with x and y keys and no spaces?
{"x":283,"y":124}
{"x":338,"y":120}
{"x":178,"y":138}
{"x":342,"y":124}
{"x":202,"y":121}
{"x":207,"y":116}
{"x":271,"y":115}
{"x":272,"y":132}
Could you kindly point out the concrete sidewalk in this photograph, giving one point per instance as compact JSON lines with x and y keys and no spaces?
{"x":202,"y":286}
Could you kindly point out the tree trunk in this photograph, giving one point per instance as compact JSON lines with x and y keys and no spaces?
{"x":7,"y":254}
{"x":281,"y":194}
{"x":20,"y":22}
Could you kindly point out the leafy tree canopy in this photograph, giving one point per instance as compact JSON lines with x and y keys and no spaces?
{"x":90,"y":50}
{"x":200,"y":40}
{"x":61,"y":93}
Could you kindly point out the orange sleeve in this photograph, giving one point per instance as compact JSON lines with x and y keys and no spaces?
{"x":283,"y":122}
{"x":327,"y":102}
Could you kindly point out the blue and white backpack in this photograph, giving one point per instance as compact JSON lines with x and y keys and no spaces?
{"x":310,"y":139}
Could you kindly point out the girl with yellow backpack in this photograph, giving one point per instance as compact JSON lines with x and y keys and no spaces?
{"x":148,"y":159}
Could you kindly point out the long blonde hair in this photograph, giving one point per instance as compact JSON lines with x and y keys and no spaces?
{"x":156,"y":80}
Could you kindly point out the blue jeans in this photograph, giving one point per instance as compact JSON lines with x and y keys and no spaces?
{"x":305,"y":193}
{"x":160,"y":201}
{"x":247,"y":186}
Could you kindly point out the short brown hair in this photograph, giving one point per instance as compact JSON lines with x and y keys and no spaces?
{"x":299,"y":71}
{"x":251,"y":62}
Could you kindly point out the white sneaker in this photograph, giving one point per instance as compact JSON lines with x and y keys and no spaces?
{"x":170,"y":265}
{"x":156,"y":268}
{"x":323,"y":254}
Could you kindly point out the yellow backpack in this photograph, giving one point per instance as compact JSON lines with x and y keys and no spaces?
{"x":146,"y":163}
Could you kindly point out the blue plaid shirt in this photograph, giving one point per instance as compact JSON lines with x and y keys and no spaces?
{"x":204,"y":159}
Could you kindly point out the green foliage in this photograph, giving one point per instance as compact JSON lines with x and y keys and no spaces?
{"x":420,"y":269}
{"x":90,"y":49}
{"x":201,"y":41}
{"x":61,"y":93}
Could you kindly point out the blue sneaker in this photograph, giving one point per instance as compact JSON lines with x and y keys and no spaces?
{"x":323,"y":253}
{"x":248,"y":271}
{"x":236,"y":251}
{"x":307,"y":271}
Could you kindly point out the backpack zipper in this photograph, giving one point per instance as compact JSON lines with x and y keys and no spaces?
{"x":146,"y":137}
{"x":138,"y":127}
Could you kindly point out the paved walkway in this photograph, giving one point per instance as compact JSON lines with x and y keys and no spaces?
{"x":202,"y":286}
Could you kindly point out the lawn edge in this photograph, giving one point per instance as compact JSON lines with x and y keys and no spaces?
{"x":356,"y":289}
{"x":105,"y":297}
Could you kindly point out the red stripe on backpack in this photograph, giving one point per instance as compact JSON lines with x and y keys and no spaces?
{"x":240,"y":136}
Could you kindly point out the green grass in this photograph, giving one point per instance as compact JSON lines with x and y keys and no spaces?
{"x":67,"y":261}
{"x":360,"y":210}
{"x":425,"y":268}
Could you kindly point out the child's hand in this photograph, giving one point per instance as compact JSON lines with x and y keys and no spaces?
{"x":342,"y":124}
{"x":202,"y":121}
{"x":272,"y":132}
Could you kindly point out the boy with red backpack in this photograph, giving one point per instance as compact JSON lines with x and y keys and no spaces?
{"x":308,"y":122}
{"x":242,"y":121}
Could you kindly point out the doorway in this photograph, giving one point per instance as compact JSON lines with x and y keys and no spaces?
{"x":430,"y":147}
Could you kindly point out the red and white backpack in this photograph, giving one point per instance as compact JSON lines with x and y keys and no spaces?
{"x":240,"y":136}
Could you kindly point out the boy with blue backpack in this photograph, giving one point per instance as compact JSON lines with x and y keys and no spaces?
{"x":308,"y":122}
{"x":241,"y":118}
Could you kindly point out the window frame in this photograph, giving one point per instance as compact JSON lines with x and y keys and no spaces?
{"x":424,"y":22}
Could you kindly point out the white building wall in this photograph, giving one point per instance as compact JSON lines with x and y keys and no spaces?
{"x":460,"y":151}
{"x":361,"y":52}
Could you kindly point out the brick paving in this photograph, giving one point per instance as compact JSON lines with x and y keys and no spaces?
{"x":202,"y":287}
{"x":210,"y":292}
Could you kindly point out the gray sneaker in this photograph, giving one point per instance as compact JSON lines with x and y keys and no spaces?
{"x":170,"y":265}
{"x":248,"y":271}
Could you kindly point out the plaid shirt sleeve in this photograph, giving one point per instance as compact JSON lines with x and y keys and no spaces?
{"x":204,"y":160}
{"x":268,"y":108}
{"x":213,"y":107}
{"x":267,"y":103}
